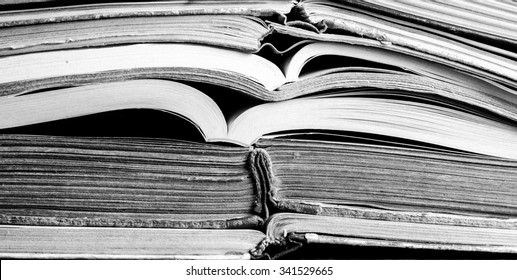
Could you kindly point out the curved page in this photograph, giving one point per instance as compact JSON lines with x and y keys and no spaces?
{"x":46,"y":65}
{"x":397,"y":118}
{"x":168,"y":96}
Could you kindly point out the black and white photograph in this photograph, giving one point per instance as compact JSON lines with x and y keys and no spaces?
{"x":286,"y":136}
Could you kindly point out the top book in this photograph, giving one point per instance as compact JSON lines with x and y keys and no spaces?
{"x":394,"y":121}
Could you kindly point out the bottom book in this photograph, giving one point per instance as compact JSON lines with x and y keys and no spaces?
{"x":285,"y":232}
{"x":55,"y":242}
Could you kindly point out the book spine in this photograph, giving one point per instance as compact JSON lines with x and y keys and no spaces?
{"x":265,"y":182}
{"x":274,"y":247}
{"x":261,"y":172}
{"x":267,"y":185}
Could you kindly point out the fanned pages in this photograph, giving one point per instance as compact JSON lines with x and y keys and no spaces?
{"x":168,"y":96}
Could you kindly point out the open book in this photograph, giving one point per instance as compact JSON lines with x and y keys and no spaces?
{"x":394,"y":114}
{"x":327,"y":122}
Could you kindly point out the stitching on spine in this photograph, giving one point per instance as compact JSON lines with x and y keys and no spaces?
{"x":260,"y":166}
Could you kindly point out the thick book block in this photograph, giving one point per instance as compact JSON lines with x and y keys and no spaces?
{"x":125,"y":183}
{"x":310,"y":176}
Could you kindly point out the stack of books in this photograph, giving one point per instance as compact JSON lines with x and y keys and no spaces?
{"x":248,"y":129}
